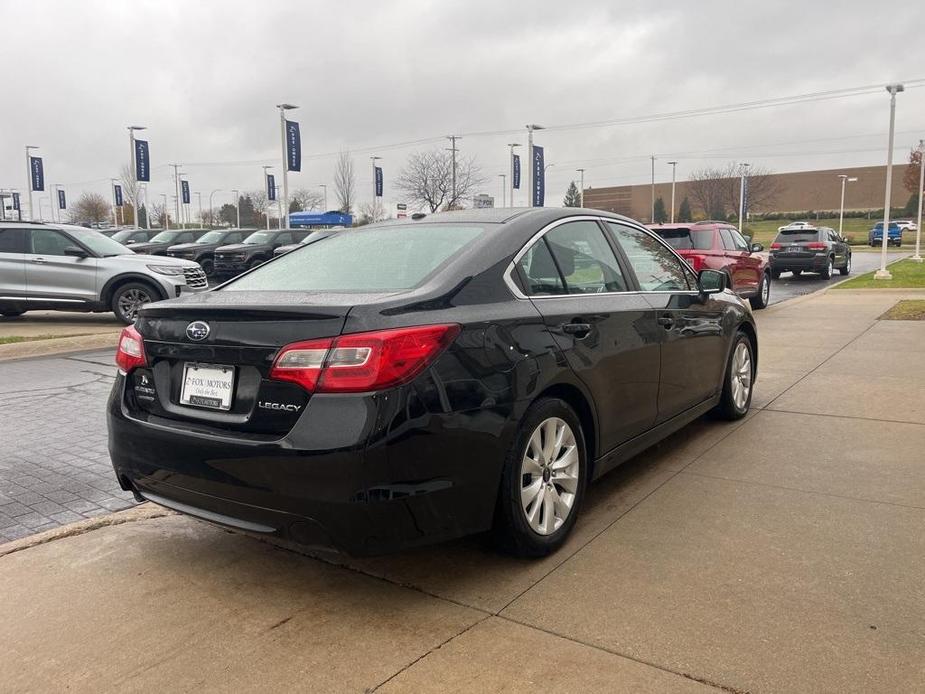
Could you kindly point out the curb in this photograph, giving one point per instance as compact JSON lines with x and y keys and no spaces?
{"x":141,"y":512}
{"x":58,"y":345}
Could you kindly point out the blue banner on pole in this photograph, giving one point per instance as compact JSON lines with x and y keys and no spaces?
{"x":38,"y":173}
{"x":184,"y":192}
{"x":293,"y":146}
{"x":62,"y":200}
{"x":378,"y":181}
{"x":516,"y":171}
{"x":271,"y":187}
{"x":539,"y":177}
{"x":117,"y":192}
{"x":16,"y":202}
{"x":142,"y":161}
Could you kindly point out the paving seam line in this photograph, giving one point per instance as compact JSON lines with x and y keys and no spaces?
{"x":845,"y":416}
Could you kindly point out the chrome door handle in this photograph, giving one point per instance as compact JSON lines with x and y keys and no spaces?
{"x":666,"y":321}
{"x":38,"y":260}
{"x":579,"y":330}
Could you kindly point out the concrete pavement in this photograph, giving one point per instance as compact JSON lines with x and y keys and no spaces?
{"x":781,"y":553}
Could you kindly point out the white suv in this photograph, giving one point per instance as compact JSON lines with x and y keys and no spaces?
{"x":71,"y":268}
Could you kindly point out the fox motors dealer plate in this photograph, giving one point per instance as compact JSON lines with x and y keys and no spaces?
{"x":207,"y":385}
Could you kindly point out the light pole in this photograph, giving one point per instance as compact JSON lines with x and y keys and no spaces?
{"x":166,"y":216}
{"x":324,"y":189}
{"x":144,"y":195}
{"x":237,"y":206}
{"x":530,"y":128}
{"x":503,"y":178}
{"x":176,"y":184}
{"x":199,"y":202}
{"x":652,"y":213}
{"x":51,"y":201}
{"x":211,"y":208}
{"x":674,"y":167}
{"x":918,"y":228}
{"x":452,"y":139}
{"x":29,"y":148}
{"x":581,"y":189}
{"x":742,"y":195}
{"x":841,"y":211}
{"x":284,"y":203}
{"x":112,"y":193}
{"x":883,"y":273}
{"x":41,"y":213}
{"x":375,"y":206}
{"x":266,"y":188}
{"x":131,"y":139}
{"x":512,"y":145}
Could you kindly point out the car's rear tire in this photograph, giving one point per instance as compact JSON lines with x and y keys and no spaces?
{"x":543,"y":482}
{"x":763,"y":297}
{"x":775,"y":274}
{"x":207,"y":266}
{"x":11,"y":314}
{"x":739,"y":379}
{"x":130,"y":297}
{"x":847,"y":269}
{"x":796,"y":273}
{"x":829,"y":268}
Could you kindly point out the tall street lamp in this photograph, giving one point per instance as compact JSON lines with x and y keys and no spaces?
{"x":841,"y":212}
{"x":41,"y":212}
{"x":237,"y":207}
{"x":29,"y":149}
{"x":530,"y":128}
{"x":742,"y":195}
{"x":211,"y":208}
{"x":131,"y":140}
{"x":512,"y":145}
{"x":112,"y":193}
{"x":674,"y":167}
{"x":166,"y":216}
{"x":652,"y":213}
{"x":374,"y":206}
{"x":199,"y":203}
{"x":883,"y":273}
{"x":144,"y":196}
{"x":282,"y":134}
{"x":581,"y":189}
{"x":503,"y":178}
{"x":918,"y":229}
{"x":324,"y":189}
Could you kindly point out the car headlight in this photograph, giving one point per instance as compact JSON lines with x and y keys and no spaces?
{"x":172,"y":270}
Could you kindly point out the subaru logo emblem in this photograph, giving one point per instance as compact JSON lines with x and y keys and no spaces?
{"x":197,"y":331}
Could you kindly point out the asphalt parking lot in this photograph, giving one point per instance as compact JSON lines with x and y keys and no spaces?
{"x":780,"y":553}
{"x":789,"y":286}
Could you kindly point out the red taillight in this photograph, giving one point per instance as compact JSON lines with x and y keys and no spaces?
{"x":695,"y":261}
{"x":775,"y":246}
{"x":131,"y":351}
{"x":816,"y":246}
{"x":362,"y":361}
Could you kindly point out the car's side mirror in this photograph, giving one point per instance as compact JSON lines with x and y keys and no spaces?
{"x":757,"y":248}
{"x":75,"y":252}
{"x":131,"y":242}
{"x":711,"y":282}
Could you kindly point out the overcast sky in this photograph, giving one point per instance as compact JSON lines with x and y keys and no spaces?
{"x":204,"y":77}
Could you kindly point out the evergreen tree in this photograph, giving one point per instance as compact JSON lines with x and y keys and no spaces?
{"x":684,"y":212}
{"x":912,"y":206}
{"x":661,"y":216}
{"x":572,"y":196}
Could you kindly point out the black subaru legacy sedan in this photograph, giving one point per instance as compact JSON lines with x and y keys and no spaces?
{"x":423,"y":379}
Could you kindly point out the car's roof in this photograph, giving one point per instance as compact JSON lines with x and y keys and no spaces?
{"x":501,"y":215}
{"x":687,"y":226}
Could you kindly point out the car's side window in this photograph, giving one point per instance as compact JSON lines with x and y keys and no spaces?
{"x":49,"y":242}
{"x":657,"y":268}
{"x":185,"y":238}
{"x":538,"y":271}
{"x":284,"y":239}
{"x":585,"y":259}
{"x":738,"y":240}
{"x":12,"y":241}
{"x":728,"y":243}
{"x":233,"y":238}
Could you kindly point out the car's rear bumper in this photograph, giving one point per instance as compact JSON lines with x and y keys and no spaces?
{"x":816,"y":263}
{"x":345,"y":477}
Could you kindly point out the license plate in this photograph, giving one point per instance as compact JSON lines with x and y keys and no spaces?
{"x":207,"y":385}
{"x":796,"y":249}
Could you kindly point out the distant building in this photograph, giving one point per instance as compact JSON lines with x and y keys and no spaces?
{"x":483,"y":200}
{"x":799,"y":191}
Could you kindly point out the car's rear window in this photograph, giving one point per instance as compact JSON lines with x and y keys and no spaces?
{"x":391,"y":258}
{"x":687,"y":239}
{"x":797,"y":235}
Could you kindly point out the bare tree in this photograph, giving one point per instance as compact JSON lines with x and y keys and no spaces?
{"x":90,"y":207}
{"x":130,"y":188}
{"x":372,"y":212}
{"x":427,"y":180}
{"x":345,"y":182}
{"x":207,"y":217}
{"x":763,"y":187}
{"x":716,"y":190}
{"x":304,"y":200}
{"x":159,"y":214}
{"x":709,"y":188}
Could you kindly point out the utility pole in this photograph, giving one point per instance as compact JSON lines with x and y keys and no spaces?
{"x":652,"y":213}
{"x":918,"y":228}
{"x":166,"y":216}
{"x":841,"y":210}
{"x":284,"y":203}
{"x":512,"y":145}
{"x":674,"y":166}
{"x":237,"y":206}
{"x":530,"y":128}
{"x":503,"y":178}
{"x":324,"y":189}
{"x":742,"y":195}
{"x":29,"y":148}
{"x":452,"y":139}
{"x":581,"y":190}
{"x":883,"y":273}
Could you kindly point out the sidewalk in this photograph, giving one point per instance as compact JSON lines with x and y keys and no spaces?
{"x":782,"y":553}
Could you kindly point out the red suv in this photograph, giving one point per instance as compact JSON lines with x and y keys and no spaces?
{"x":720,"y":246}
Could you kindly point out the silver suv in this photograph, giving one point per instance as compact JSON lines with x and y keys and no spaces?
{"x":71,"y":268}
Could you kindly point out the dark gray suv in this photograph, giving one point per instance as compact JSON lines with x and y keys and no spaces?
{"x":813,"y":249}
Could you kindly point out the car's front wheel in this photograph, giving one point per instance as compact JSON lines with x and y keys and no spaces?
{"x":543,"y":482}
{"x":740,"y":376}
{"x":129,"y":298}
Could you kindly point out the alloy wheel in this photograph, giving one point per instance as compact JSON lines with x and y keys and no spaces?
{"x":131,"y":301}
{"x":741,"y":376}
{"x":766,"y":290}
{"x":549,"y":476}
